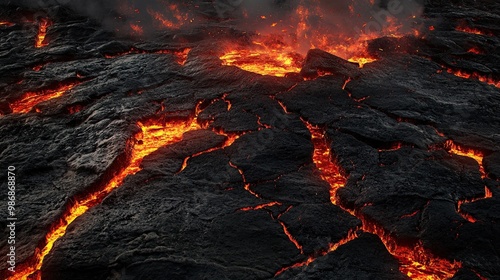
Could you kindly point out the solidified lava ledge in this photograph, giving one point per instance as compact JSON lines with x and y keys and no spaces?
{"x":246,"y":140}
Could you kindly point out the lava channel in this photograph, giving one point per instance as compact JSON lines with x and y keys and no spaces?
{"x":453,"y":148}
{"x":153,"y":136}
{"x":42,"y":33}
{"x":416,"y":262}
{"x":30,"y":99}
{"x":476,"y":76}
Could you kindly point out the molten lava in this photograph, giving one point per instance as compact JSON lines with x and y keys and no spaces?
{"x":42,"y":33}
{"x":466,"y":152}
{"x":477,"y":76}
{"x":153,"y":136}
{"x":416,"y":262}
{"x":31,"y":99}
{"x":6,"y":23}
{"x":307,"y":27}
{"x":362,"y":60}
{"x":261,"y":206}
{"x":263,"y":61}
{"x":466,"y":29}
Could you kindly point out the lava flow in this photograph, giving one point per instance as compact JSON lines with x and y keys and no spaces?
{"x":415,"y":262}
{"x":482,"y":78}
{"x":280,"y":42}
{"x":470,"y":30}
{"x":42,"y":33}
{"x":466,"y":152}
{"x":153,"y":136}
{"x":31,"y":99}
{"x":6,"y":23}
{"x":263,"y":61}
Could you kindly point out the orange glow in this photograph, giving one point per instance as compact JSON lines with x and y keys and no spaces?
{"x":42,"y":33}
{"x":415,"y":262}
{"x":474,"y":50}
{"x":261,"y":206}
{"x":180,"y":55}
{"x":173,"y":18}
{"x":278,"y":40}
{"x":75,"y":109}
{"x":361,"y":60}
{"x":467,"y":216}
{"x":153,"y":136}
{"x":483,"y":78}
{"x":330,"y":172}
{"x":466,"y":152}
{"x":31,"y":99}
{"x":137,"y":29}
{"x":292,"y":239}
{"x":470,"y":30}
{"x":6,"y":23}
{"x":263,"y":61}
{"x":331,"y":247}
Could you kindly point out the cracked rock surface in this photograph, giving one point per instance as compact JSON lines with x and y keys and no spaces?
{"x":201,"y":209}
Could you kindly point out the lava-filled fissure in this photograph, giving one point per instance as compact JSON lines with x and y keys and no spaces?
{"x":154,"y":134}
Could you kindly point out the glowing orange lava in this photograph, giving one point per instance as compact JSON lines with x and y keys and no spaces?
{"x":300,"y":33}
{"x":483,"y":78}
{"x":153,"y":136}
{"x":470,"y":30}
{"x":467,"y":152}
{"x":329,"y":171}
{"x":362,"y":60}
{"x":6,"y":23}
{"x":31,"y":99}
{"x":42,"y":33}
{"x":416,"y":262}
{"x":261,"y":206}
{"x":475,"y":50}
{"x":263,"y":61}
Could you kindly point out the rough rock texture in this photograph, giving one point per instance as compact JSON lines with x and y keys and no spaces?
{"x":250,"y":209}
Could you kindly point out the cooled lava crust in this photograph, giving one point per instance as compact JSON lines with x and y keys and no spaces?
{"x":151,"y":159}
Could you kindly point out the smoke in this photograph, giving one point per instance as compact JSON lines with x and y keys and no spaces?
{"x":303,"y":23}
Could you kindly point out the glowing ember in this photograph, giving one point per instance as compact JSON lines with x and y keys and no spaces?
{"x":292,"y":239}
{"x":31,"y":99}
{"x":362,"y":60}
{"x":331,"y":247}
{"x":42,"y":32}
{"x":153,"y":136}
{"x":467,"y":216}
{"x":136,"y":29}
{"x":466,"y":152}
{"x":173,"y":18}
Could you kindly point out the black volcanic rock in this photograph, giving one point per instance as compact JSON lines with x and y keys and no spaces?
{"x":202,"y":209}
